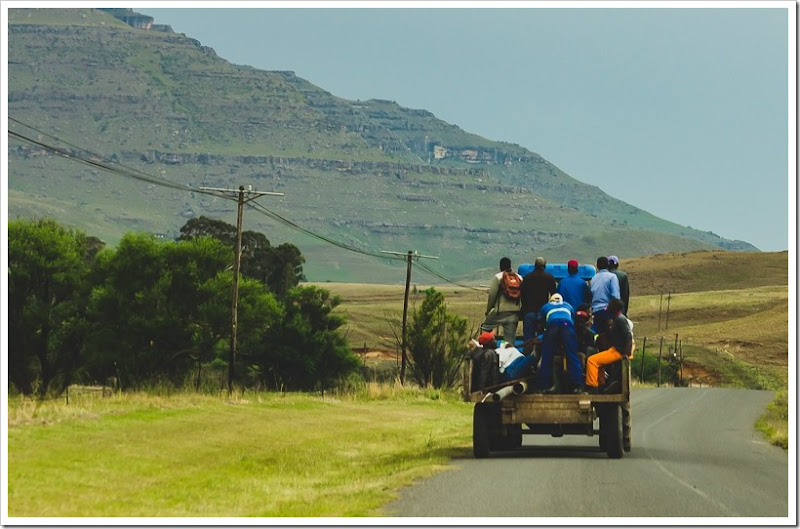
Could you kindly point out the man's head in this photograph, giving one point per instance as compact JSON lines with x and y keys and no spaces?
{"x":613,"y":262}
{"x":539,"y":263}
{"x":572,"y":266}
{"x":505,"y":264}
{"x":615,"y":306}
{"x":556,"y":298}
{"x":486,"y":339}
{"x":602,"y":262}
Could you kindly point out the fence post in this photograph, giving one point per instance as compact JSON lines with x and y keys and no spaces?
{"x":675,"y":350}
{"x":660,"y":300}
{"x":660,"y":345}
{"x":644,"y":348}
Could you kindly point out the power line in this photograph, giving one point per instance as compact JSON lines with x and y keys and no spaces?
{"x":95,"y":160}
{"x":263,"y":210}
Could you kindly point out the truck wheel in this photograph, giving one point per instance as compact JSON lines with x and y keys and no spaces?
{"x":612,"y":425}
{"x":626,"y":426}
{"x":481,"y":419}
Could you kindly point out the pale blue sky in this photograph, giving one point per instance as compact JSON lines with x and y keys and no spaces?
{"x":683,"y":112}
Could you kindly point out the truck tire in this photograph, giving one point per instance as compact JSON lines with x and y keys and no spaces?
{"x":626,"y":426}
{"x":481,"y":421}
{"x":612,"y":426}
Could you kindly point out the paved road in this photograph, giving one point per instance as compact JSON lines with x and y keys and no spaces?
{"x":694,"y":454}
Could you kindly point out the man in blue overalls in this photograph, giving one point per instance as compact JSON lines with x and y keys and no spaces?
{"x":559,"y":328}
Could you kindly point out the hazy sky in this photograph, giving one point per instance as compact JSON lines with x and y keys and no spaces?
{"x":680,"y":110}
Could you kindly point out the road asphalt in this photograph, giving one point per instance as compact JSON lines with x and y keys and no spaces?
{"x":695,"y":453}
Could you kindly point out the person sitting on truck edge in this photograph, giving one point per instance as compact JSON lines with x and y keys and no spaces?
{"x":485,"y":371}
{"x":624,"y":286}
{"x":537,"y":287}
{"x":501,"y":309}
{"x":604,"y":286}
{"x":586,"y":337}
{"x":621,"y":337}
{"x":573,"y":288}
{"x":511,"y":362}
{"x":559,"y":326}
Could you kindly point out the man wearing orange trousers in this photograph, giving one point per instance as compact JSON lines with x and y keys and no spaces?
{"x":621,"y":338}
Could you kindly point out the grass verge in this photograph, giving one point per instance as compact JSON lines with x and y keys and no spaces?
{"x":775,"y":422}
{"x":257,"y":455}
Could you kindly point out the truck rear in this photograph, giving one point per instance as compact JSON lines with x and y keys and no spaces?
{"x":507,"y":411}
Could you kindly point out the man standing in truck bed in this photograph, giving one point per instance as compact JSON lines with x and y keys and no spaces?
{"x":559,"y":328}
{"x":537,"y":287}
{"x":503,"y":303}
{"x":604,"y":286}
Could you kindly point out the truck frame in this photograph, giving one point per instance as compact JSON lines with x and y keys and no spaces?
{"x":505,"y":412}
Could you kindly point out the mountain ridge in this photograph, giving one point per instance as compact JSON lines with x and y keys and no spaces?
{"x":371,"y":174}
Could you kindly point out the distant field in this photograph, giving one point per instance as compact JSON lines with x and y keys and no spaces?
{"x":724,"y":306}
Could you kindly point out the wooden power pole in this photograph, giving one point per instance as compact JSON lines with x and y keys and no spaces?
{"x":409,"y":257}
{"x":239,"y":196}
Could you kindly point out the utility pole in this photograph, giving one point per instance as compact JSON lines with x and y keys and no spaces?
{"x":409,"y":256}
{"x":239,"y":196}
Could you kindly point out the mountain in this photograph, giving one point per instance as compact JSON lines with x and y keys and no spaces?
{"x":367,"y":175}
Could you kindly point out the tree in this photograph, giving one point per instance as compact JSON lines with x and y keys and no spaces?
{"x":145,"y":306}
{"x":280,"y":268}
{"x":285,"y":270}
{"x":306,"y":351}
{"x":437,"y":342}
{"x":48,"y":267}
{"x":259,"y":312}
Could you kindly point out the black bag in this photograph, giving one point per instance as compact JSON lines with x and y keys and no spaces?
{"x":485,"y":369}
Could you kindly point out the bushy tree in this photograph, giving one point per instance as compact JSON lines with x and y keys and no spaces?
{"x":306,"y":351}
{"x":48,"y":267}
{"x":437,"y":342}
{"x":280,"y":268}
{"x":145,"y":306}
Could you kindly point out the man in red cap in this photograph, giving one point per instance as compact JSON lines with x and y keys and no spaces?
{"x":572,"y":288}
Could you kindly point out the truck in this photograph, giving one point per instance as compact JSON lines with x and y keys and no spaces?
{"x":504,"y":412}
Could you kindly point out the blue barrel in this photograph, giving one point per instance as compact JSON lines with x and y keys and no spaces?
{"x":559,"y":270}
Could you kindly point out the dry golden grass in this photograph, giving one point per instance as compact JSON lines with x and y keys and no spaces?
{"x":731,"y":303}
{"x":705,"y":270}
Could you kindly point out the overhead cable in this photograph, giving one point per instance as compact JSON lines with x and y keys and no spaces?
{"x":92,"y":159}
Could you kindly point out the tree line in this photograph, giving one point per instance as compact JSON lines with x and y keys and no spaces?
{"x":153,"y":311}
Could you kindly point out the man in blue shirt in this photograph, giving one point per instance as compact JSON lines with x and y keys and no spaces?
{"x":624,"y":287}
{"x":572,"y":288}
{"x":559,"y":328}
{"x":604,"y":286}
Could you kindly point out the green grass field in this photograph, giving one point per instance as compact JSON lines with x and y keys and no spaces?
{"x":202,"y":456}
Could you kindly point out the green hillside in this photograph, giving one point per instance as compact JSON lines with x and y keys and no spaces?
{"x":370,"y":175}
